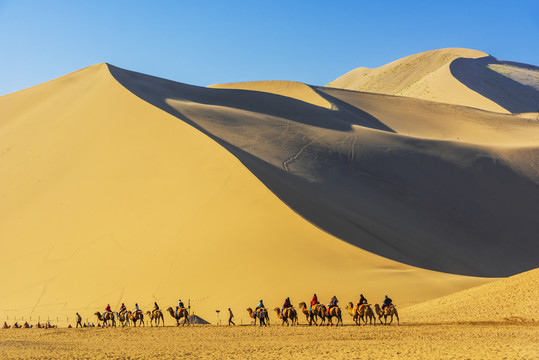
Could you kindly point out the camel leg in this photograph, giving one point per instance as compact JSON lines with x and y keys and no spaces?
{"x":397,"y":315}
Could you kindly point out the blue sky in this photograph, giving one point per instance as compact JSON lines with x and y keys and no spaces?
{"x":205,"y":42}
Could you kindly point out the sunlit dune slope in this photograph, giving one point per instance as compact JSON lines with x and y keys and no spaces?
{"x":106,"y":198}
{"x":292,"y":89}
{"x":432,"y":185}
{"x":455,"y":76}
{"x":511,"y":299}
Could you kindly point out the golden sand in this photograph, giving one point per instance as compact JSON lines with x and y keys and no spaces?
{"x":465,"y":341}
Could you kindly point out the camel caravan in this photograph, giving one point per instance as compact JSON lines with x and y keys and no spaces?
{"x":320,"y":314}
{"x":315,"y":314}
{"x":125,"y":317}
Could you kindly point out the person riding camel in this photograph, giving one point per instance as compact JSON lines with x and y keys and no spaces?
{"x":260,"y":306}
{"x":314,"y":302}
{"x":107,"y":309}
{"x":137,"y":309}
{"x":123,"y":308}
{"x":286,"y":304}
{"x":5,"y":326}
{"x":362,"y":301}
{"x":387,"y":303}
{"x":179,"y":307}
{"x":332,"y":303}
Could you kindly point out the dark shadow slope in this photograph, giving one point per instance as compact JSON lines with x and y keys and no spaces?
{"x":408,"y":199}
{"x":512,"y":95}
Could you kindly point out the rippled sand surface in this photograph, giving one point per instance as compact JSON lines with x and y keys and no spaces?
{"x":460,"y":341}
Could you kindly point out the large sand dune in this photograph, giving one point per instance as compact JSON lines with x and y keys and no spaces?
{"x":118,"y":186}
{"x":433,"y":185}
{"x":107,"y":198}
{"x":455,"y":76}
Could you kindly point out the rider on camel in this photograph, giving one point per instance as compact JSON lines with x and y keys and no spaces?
{"x":137,"y":309}
{"x":122,"y":308}
{"x":286,"y":304}
{"x":362,"y":301}
{"x":332,"y":303}
{"x":179,"y":307}
{"x":107,"y":309}
{"x":260,"y":306}
{"x":155,"y":307}
{"x":314,"y":302}
{"x":387,"y":303}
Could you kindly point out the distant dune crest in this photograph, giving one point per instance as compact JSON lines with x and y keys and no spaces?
{"x":454,"y":76}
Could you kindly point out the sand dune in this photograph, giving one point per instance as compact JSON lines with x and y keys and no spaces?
{"x":511,"y":299}
{"x":455,"y":76}
{"x":374,"y":169}
{"x":107,"y":199}
{"x":122,"y":187}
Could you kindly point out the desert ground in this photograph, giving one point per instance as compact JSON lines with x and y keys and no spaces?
{"x":407,"y":341}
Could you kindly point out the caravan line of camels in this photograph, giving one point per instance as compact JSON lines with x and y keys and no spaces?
{"x":128,"y":318}
{"x":317,"y":314}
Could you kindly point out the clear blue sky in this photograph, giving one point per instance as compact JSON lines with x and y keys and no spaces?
{"x":205,"y":42}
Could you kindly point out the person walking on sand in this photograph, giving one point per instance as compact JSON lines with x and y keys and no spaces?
{"x":230,"y":316}
{"x":79,"y":321}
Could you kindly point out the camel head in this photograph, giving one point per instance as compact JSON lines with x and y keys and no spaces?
{"x":249,"y":310}
{"x":302,"y":305}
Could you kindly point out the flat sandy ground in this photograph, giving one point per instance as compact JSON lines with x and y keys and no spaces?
{"x":461,"y":341}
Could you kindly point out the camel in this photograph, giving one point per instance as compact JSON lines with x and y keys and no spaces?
{"x":334,"y":312}
{"x":156,"y":316}
{"x":361,"y":312}
{"x":123,"y":318}
{"x":136,"y":316}
{"x":262,"y":316}
{"x":178,"y":314}
{"x":354,"y":312}
{"x":388,"y":311}
{"x":308,"y":314}
{"x":252,"y":315}
{"x":318,"y":311}
{"x":108,"y":316}
{"x":288,"y":313}
{"x":365,"y":312}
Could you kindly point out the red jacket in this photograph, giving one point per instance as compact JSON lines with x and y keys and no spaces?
{"x":107,"y":308}
{"x":314,"y":301}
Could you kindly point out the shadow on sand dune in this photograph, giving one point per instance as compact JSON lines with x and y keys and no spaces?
{"x":249,"y":101}
{"x":401,"y":198}
{"x":506,"y":92}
